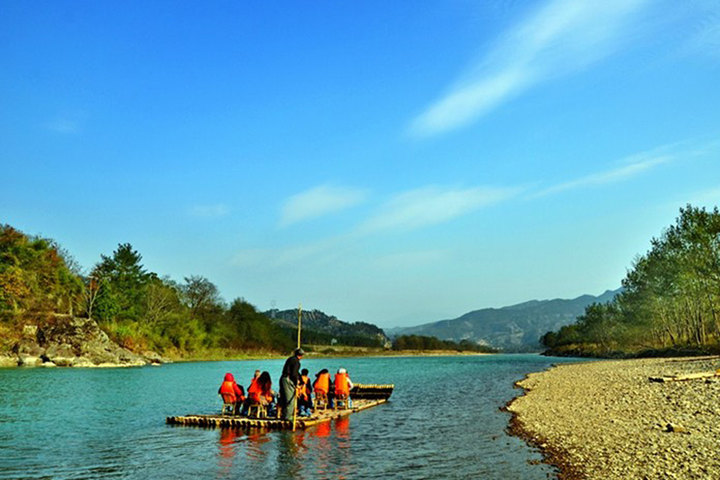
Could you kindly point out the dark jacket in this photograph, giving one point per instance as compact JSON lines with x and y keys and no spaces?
{"x":291,"y":369}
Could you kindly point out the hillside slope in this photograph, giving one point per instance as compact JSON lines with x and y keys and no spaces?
{"x":516,"y":328}
{"x":319,"y":327}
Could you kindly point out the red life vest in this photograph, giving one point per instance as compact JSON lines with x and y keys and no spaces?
{"x":322,"y":384}
{"x":254,"y":391}
{"x":227,"y":390}
{"x":341,"y":384}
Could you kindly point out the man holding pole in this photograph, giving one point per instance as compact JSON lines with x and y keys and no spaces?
{"x":289,"y":381}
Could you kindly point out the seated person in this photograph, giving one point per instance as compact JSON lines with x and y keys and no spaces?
{"x":262,"y":393}
{"x":304,"y":395}
{"x":232,"y":392}
{"x":343,"y":385}
{"x":252,"y":391}
{"x":322,"y":385}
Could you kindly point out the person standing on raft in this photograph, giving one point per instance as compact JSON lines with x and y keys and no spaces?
{"x":289,"y":381}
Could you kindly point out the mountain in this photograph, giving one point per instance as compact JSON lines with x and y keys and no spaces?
{"x":516,"y":328}
{"x":318,"y":327}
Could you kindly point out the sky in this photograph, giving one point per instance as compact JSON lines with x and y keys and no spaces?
{"x":395,"y":163}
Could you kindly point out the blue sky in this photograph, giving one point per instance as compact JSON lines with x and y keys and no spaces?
{"x":390,"y":162}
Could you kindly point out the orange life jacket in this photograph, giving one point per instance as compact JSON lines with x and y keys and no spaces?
{"x":227,"y":389}
{"x":269,"y":396}
{"x":322,"y":384}
{"x":254,"y":391}
{"x":341,"y":384}
{"x":303,"y":391}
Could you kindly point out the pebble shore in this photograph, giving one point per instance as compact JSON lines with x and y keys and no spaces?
{"x":607,"y":420}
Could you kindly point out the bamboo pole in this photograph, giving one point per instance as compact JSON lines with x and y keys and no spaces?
{"x":298,"y":346}
{"x":299,"y":324}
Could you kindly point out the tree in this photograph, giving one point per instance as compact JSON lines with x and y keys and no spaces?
{"x":671,"y":296}
{"x":123,"y":282}
{"x":34,"y":277}
{"x":162,"y":301}
{"x":200,"y":295}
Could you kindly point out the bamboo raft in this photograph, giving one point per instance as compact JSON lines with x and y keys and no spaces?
{"x":366,"y":396}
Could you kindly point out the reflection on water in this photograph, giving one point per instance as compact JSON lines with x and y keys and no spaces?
{"x":322,"y":451}
{"x":110,"y":424}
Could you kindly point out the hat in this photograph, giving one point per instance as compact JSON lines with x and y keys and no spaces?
{"x":299,"y":352}
{"x":342,"y":370}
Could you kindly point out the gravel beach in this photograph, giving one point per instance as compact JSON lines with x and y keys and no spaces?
{"x":607,"y":420}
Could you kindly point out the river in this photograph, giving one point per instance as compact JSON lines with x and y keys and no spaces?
{"x":443,"y":421}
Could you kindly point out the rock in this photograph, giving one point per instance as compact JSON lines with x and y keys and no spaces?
{"x":676,"y":428}
{"x":155,"y":358}
{"x":69,"y":342}
{"x":62,"y":355}
{"x":28,"y":352}
{"x":30,"y":331}
{"x":29,"y":361}
{"x":82,"y":362}
{"x":8,"y":361}
{"x":82,"y":339}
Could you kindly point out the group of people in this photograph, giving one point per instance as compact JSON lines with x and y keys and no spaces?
{"x":295,"y":388}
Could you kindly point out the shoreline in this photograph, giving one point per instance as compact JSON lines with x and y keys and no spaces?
{"x":606,"y":420}
{"x":252,"y":357}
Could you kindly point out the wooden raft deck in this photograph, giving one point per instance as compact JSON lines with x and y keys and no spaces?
{"x":235,"y":421}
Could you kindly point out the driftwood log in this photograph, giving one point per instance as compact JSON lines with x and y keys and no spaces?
{"x":688,"y":376}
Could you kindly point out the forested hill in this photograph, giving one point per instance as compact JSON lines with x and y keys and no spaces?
{"x":44,"y":289}
{"x":318,"y":327}
{"x":52,"y":310}
{"x":516,"y":328}
{"x":670,"y":302}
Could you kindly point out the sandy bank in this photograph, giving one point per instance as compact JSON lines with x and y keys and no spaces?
{"x":606,"y":420}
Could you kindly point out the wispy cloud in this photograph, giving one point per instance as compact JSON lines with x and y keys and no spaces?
{"x":636,"y":166}
{"x":432,"y":205}
{"x":209,"y":211}
{"x":319,"y":201}
{"x":702,"y":27}
{"x":282,"y":257}
{"x":562,"y":37}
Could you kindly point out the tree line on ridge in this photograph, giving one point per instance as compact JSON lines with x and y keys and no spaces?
{"x":670,"y":301}
{"x":40,"y":282}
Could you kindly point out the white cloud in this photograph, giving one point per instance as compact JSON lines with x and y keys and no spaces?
{"x":638,"y":164}
{"x":562,"y":37}
{"x":433,"y":205}
{"x":209,"y":211}
{"x":319,"y":201}
{"x":281,"y":257}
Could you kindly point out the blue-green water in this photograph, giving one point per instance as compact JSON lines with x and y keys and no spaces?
{"x":443,"y":421}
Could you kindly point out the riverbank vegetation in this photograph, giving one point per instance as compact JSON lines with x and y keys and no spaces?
{"x":670,"y":303}
{"x":140,"y":310}
{"x":422,"y":343}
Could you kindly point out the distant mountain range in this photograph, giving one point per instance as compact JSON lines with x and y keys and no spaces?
{"x":320,"y":327}
{"x":516,"y":328}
